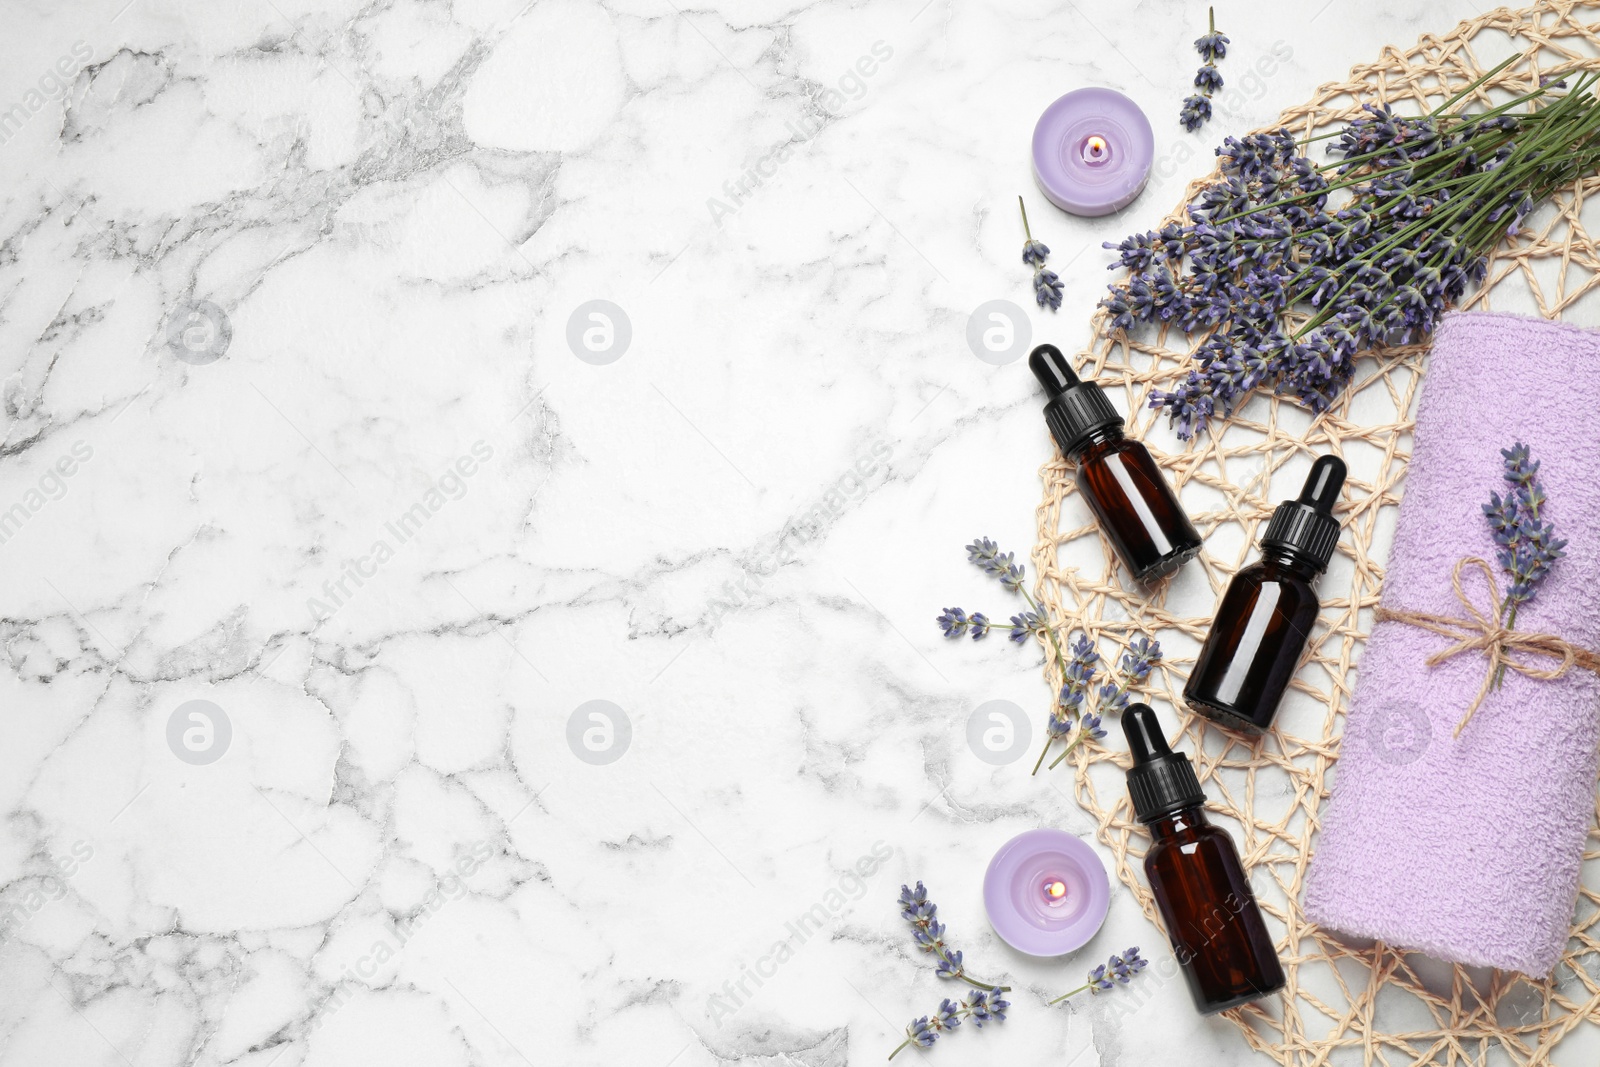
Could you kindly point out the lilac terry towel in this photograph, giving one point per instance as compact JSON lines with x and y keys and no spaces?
{"x":1470,"y":848}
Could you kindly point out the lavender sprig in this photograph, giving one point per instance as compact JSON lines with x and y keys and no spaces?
{"x":1069,"y":717}
{"x":1286,"y":269}
{"x":1119,"y":970}
{"x":928,"y":931}
{"x":1077,"y":680}
{"x":978,"y":1007}
{"x":1527,"y":540}
{"x":1077,"y":714}
{"x":1196,"y":111}
{"x":1528,"y":544}
{"x":985,"y":554}
{"x":1046,"y":283}
{"x":1137,"y":663}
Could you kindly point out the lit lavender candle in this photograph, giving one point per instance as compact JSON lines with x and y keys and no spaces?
{"x":1046,"y":892}
{"x":1092,"y":151}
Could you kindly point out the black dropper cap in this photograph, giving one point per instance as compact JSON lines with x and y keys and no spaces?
{"x":1305,"y":526}
{"x":1076,"y":408}
{"x":1161,"y":781}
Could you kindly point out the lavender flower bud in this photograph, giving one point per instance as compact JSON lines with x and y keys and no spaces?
{"x":1212,"y":46}
{"x":1196,"y":112}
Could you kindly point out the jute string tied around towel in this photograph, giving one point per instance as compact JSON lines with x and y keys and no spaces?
{"x":1480,"y":632}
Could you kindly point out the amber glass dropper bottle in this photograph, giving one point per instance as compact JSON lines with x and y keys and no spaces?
{"x":1212,"y":919}
{"x":1262,"y":623}
{"x":1119,"y":481}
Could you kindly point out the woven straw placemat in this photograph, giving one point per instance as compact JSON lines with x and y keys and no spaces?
{"x":1345,"y":1003}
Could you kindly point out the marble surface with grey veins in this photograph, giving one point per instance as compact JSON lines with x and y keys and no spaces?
{"x":477,"y":482}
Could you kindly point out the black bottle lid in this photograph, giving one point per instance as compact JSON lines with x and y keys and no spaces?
{"x":1305,"y":526}
{"x":1161,"y":781}
{"x":1076,"y":408}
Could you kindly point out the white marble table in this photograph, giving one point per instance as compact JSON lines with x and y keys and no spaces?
{"x":293,"y":428}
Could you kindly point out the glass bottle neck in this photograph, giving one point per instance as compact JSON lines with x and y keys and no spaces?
{"x":1291,"y":560}
{"x":1096,"y":438}
{"x":1178,"y":822}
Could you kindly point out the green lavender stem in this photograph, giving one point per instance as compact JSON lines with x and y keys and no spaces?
{"x":1511,"y":624}
{"x":1064,"y":996}
{"x":1071,"y":745}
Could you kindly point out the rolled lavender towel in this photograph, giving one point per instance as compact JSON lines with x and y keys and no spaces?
{"x":1470,"y":847}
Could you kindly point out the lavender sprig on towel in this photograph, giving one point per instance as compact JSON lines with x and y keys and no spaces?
{"x":1528,"y":543}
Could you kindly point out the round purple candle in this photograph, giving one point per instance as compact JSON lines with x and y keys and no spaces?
{"x":1046,"y":892}
{"x":1092,"y":151}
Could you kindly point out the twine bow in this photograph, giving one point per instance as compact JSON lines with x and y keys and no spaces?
{"x":1478,"y":632}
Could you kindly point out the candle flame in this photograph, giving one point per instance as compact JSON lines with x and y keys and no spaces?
{"x":1095,"y":150}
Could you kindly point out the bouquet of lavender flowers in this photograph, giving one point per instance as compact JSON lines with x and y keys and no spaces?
{"x":1290,"y":269}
